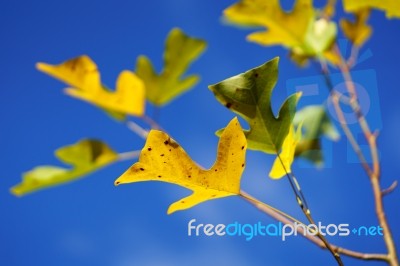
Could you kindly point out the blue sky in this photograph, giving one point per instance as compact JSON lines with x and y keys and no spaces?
{"x":91,"y":222}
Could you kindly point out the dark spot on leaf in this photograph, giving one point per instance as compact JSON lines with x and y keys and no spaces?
{"x":162,"y":154}
{"x":213,"y":196}
{"x":256,"y":75}
{"x":189,"y":176}
{"x":149,"y":149}
{"x":169,"y":149}
{"x":165,"y":162}
{"x":141,"y":169}
{"x":182,"y":201}
{"x":117,"y":183}
{"x":242,"y":164}
{"x":166,"y":142}
{"x":228,"y":105}
{"x":216,"y":170}
{"x":242,"y":147}
{"x":159,"y":176}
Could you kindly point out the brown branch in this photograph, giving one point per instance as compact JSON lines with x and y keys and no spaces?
{"x":390,"y":189}
{"x":287,"y":219}
{"x":374,"y":173}
{"x":349,"y":134}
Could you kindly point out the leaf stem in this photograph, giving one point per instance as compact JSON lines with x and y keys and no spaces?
{"x":138,"y":130}
{"x":301,"y":200}
{"x":129,"y":155}
{"x":151,"y":122}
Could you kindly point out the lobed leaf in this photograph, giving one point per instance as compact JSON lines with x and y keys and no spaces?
{"x":84,"y":157}
{"x":163,"y":159}
{"x":82,"y":74}
{"x":180,"y":51}
{"x":300,"y":30}
{"x":249,"y":95}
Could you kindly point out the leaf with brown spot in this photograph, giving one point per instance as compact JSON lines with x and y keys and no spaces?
{"x":177,"y":167}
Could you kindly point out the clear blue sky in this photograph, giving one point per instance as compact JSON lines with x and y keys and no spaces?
{"x":91,"y":222}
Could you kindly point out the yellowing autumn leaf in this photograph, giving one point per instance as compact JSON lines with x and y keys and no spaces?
{"x":163,"y":159}
{"x":180,"y":51}
{"x":283,"y":163}
{"x":82,"y":75}
{"x":300,"y":30}
{"x":84,"y":157}
{"x":391,"y":7}
{"x":358,"y":32}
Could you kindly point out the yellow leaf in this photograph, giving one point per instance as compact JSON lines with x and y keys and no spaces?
{"x":163,"y":159}
{"x":283,"y":164}
{"x":391,"y":7}
{"x":300,"y":30}
{"x":284,"y":28}
{"x":358,"y":32}
{"x":84,"y":156}
{"x":82,"y":75}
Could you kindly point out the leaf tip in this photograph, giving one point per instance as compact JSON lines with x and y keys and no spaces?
{"x":41,"y":66}
{"x":15,"y":191}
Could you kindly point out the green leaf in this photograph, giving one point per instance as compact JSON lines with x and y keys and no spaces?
{"x":391,"y":7}
{"x":316,"y":124}
{"x":180,"y":51}
{"x":84,"y":157}
{"x":249,"y":95}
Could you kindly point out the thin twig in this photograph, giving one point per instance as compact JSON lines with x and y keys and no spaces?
{"x":352,"y":60}
{"x":141,"y":132}
{"x":375,"y":174}
{"x":373,"y":171}
{"x":301,"y":200}
{"x":152,"y":123}
{"x":349,"y":134}
{"x":287,"y":219}
{"x":390,"y":189}
{"x":130,"y":155}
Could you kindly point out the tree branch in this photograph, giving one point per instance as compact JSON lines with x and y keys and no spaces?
{"x":373,"y":171}
{"x":287,"y":219}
